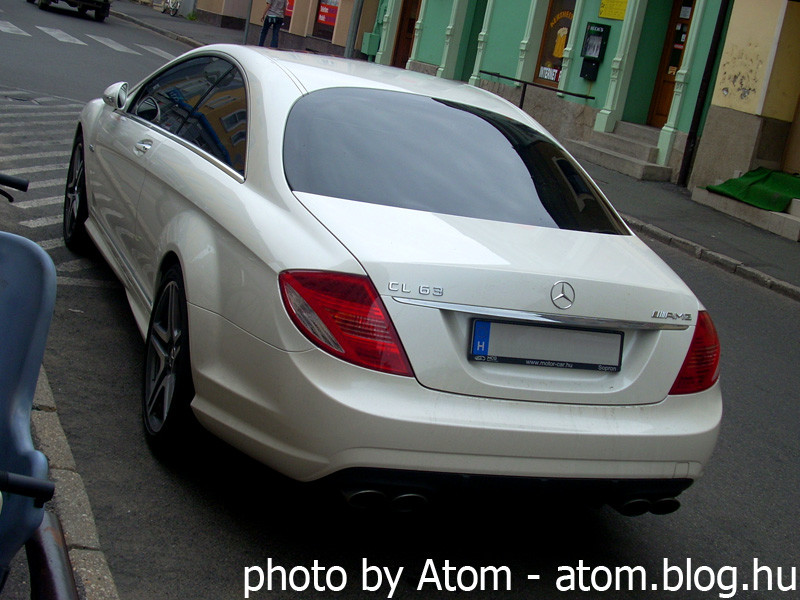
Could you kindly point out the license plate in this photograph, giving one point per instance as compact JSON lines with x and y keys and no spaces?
{"x":546,"y":346}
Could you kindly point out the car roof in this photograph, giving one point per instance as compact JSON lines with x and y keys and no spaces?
{"x":311,"y":72}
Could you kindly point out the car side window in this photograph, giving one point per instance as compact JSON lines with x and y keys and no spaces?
{"x":169,"y":98}
{"x":218,"y":124}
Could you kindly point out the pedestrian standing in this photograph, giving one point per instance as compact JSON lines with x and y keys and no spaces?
{"x":272,"y":17}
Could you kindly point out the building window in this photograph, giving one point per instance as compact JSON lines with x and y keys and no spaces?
{"x":554,"y":40}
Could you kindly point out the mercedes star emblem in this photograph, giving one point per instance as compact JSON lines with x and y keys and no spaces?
{"x":562,"y":295}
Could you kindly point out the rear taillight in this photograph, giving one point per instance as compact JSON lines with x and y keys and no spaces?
{"x":700,"y":369}
{"x":343,"y":315}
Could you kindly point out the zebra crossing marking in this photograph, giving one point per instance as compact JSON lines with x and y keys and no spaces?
{"x":36,"y":169}
{"x":61,"y":36}
{"x":42,"y":222}
{"x":64,"y":37}
{"x":43,"y":216}
{"x":34,"y":156}
{"x":38,"y":202}
{"x":157,"y":51}
{"x":51,"y":244}
{"x":37,"y":185}
{"x":112,"y":44}
{"x":8,"y":27}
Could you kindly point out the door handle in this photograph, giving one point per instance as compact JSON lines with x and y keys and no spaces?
{"x":143,"y":146}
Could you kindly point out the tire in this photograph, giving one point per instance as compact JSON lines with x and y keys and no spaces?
{"x":168,"y":389}
{"x":43,"y":4}
{"x":30,"y":1}
{"x":76,"y":210}
{"x":100,"y":14}
{"x":173,"y":11}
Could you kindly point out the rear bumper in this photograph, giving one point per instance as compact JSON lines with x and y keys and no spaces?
{"x":308,"y":415}
{"x":393,"y":484}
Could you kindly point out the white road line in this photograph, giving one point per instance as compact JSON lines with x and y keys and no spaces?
{"x":51,"y":244}
{"x":33,"y":156}
{"x":50,"y":124}
{"x":112,"y":44}
{"x":25,"y":115}
{"x":93,"y":283}
{"x":17,"y":106}
{"x":61,"y":36}
{"x":8,"y":27}
{"x":34,"y":144}
{"x":73,"y":266}
{"x":157,"y":51}
{"x":42,"y":222}
{"x":36,"y":169}
{"x":36,"y":185}
{"x":39,"y":202}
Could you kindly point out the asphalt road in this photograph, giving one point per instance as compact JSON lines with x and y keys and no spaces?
{"x":59,"y":52}
{"x":187,"y":526}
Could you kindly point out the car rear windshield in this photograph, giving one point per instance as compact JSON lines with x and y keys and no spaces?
{"x":420,"y":153}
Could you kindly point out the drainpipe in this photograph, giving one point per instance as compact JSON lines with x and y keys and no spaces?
{"x":247,"y":22}
{"x":352,"y":33}
{"x":702,"y":95}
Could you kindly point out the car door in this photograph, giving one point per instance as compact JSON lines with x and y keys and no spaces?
{"x":117,"y":172}
{"x":190,"y":174}
{"x":124,"y":144}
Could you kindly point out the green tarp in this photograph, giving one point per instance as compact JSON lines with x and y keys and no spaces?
{"x":770,"y":190}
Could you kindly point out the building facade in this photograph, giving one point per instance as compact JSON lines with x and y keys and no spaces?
{"x":652,"y":88}
{"x":641,"y":86}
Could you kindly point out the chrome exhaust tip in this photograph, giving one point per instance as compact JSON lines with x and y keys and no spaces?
{"x":634,"y":507}
{"x":365,"y":499}
{"x":409,"y":502}
{"x":665,"y":506}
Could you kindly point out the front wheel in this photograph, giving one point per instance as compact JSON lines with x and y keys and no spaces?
{"x":75,"y":208}
{"x":100,"y":14}
{"x":168,"y":388}
{"x":43,"y":4}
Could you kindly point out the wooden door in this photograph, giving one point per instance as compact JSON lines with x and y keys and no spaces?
{"x":671,"y":58}
{"x":409,"y":13}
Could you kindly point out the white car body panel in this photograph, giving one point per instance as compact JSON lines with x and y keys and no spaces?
{"x":487,"y":264}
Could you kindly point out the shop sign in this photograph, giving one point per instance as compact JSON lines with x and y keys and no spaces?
{"x":556,"y":33}
{"x":327,"y":12}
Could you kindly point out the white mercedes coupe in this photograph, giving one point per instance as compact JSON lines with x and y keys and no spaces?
{"x":391,"y":281}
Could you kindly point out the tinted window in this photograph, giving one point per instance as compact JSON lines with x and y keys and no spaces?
{"x":168,"y":98}
{"x":420,"y":153}
{"x":219,"y":124}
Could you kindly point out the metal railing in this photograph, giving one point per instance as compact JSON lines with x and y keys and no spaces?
{"x":525,"y":85}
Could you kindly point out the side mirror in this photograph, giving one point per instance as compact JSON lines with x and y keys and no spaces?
{"x":116,"y":94}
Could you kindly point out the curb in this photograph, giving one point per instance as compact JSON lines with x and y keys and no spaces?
{"x":71,"y":502}
{"x":169,"y":34}
{"x":722,"y":261}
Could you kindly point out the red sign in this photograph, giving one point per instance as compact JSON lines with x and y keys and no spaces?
{"x":327,"y":12}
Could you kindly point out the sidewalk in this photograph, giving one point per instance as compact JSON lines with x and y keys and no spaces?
{"x":660,"y":210}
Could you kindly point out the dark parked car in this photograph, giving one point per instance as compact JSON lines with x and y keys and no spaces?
{"x":100,"y":7}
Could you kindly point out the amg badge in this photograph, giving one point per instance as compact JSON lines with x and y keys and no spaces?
{"x":663,"y":314}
